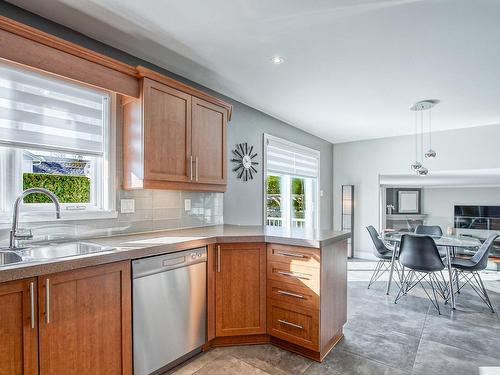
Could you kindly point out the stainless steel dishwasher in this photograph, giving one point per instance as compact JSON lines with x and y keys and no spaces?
{"x":169,"y":309}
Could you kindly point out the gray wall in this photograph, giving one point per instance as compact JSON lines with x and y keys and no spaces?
{"x":360,"y":163}
{"x":438,"y":203}
{"x":242,"y":201}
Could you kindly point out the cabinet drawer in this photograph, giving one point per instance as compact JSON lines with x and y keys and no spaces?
{"x":293,"y":324}
{"x":294,"y":294}
{"x":306,"y":277}
{"x":305,"y":256}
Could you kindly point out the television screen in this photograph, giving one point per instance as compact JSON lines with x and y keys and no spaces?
{"x":477,"y":217}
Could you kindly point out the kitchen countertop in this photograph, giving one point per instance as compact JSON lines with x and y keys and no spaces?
{"x":146,"y":244}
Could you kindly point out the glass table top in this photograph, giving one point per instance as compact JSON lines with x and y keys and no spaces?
{"x":452,"y":241}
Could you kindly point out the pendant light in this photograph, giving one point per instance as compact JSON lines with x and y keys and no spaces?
{"x":430,"y":154}
{"x":419,"y":107}
{"x":416,"y":165}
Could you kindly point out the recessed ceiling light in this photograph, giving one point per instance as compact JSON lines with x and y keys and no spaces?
{"x":276,"y":60}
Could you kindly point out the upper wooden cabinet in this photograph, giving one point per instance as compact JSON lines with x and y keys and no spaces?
{"x":208,"y":142}
{"x":174,"y":137}
{"x":167,"y":133}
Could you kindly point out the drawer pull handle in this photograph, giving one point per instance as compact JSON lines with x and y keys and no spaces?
{"x":294,"y":274}
{"x":290,"y":254}
{"x":290,"y":294}
{"x":290,"y":324}
{"x":47,"y":301}
{"x":32,"y":304}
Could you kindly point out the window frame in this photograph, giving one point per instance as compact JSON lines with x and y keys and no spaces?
{"x":104,"y":205}
{"x":316,"y":199}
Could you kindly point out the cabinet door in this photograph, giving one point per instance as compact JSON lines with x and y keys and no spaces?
{"x":209,"y":142}
{"x":167,"y":133}
{"x":85,"y":321}
{"x":240,"y":289}
{"x":18,"y":328}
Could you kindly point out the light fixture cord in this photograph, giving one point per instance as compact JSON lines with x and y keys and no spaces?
{"x":422,"y":135}
{"x":416,"y":137}
{"x":430,"y":130}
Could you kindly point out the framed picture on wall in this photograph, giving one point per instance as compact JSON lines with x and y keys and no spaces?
{"x":408,"y":202}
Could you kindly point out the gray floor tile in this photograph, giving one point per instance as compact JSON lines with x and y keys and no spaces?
{"x":476,"y":338}
{"x":229,"y":365}
{"x":197,"y":363}
{"x":386,"y":318}
{"x":436,"y":358}
{"x":339,"y":362}
{"x":272,"y":359}
{"x":390,"y":348}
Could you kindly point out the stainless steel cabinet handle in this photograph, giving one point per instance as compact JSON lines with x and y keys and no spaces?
{"x":32,"y":304}
{"x":190,"y":167}
{"x":290,"y":324}
{"x":218,"y":258}
{"x":196,"y":168}
{"x":290,"y":294}
{"x":47,"y":301}
{"x":293,"y":255}
{"x":293,"y":274}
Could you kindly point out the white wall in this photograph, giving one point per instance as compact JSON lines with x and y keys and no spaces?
{"x":360,"y":163}
{"x":438,"y":203}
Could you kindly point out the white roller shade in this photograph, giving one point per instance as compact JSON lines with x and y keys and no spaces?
{"x":285,"y":157}
{"x":47,"y":113}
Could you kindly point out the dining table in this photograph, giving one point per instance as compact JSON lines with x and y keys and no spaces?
{"x":451,"y":243}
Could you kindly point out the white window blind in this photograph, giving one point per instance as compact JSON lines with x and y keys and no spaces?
{"x":46,"y":113}
{"x":285,"y":157}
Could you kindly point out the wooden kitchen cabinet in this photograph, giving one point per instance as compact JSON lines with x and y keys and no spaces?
{"x":85,"y":321}
{"x":208,"y":142}
{"x":240,"y":289}
{"x":167,"y":133}
{"x":174,"y":137}
{"x":18,"y":328}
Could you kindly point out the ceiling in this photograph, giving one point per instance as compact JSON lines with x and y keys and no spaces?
{"x":352,"y":67}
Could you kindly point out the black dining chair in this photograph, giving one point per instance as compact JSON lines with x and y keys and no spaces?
{"x":467,"y":270}
{"x":419,"y":254}
{"x":430,"y":230}
{"x":382,"y":252}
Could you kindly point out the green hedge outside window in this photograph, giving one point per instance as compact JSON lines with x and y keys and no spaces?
{"x":67,"y":188}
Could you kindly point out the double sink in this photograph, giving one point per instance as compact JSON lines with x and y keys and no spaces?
{"x":49,"y":252}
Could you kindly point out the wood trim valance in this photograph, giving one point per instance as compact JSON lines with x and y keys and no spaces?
{"x":36,"y":49}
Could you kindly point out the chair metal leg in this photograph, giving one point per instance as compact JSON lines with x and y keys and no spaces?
{"x":376,"y":273}
{"x":414,"y":278}
{"x":434,"y":293}
{"x":473,"y":279}
{"x":488,"y":301}
{"x":458,"y":283}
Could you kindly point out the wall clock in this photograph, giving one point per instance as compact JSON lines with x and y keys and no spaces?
{"x":243,"y":158}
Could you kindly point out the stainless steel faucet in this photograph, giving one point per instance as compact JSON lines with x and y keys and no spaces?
{"x":15,"y":234}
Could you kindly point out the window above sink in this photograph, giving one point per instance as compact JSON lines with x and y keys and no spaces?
{"x":57,"y":135}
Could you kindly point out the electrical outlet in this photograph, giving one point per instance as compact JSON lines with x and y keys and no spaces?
{"x":321,"y":193}
{"x":187,"y":204}
{"x":127,"y":206}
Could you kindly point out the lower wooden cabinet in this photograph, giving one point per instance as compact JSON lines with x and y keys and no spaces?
{"x":240,"y":289}
{"x":83,"y":324}
{"x":294,"y":324}
{"x":18,"y":328}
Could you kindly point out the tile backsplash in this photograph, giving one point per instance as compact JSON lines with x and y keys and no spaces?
{"x":154,"y":210}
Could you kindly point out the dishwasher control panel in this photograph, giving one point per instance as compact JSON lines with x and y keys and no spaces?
{"x":160,"y":263}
